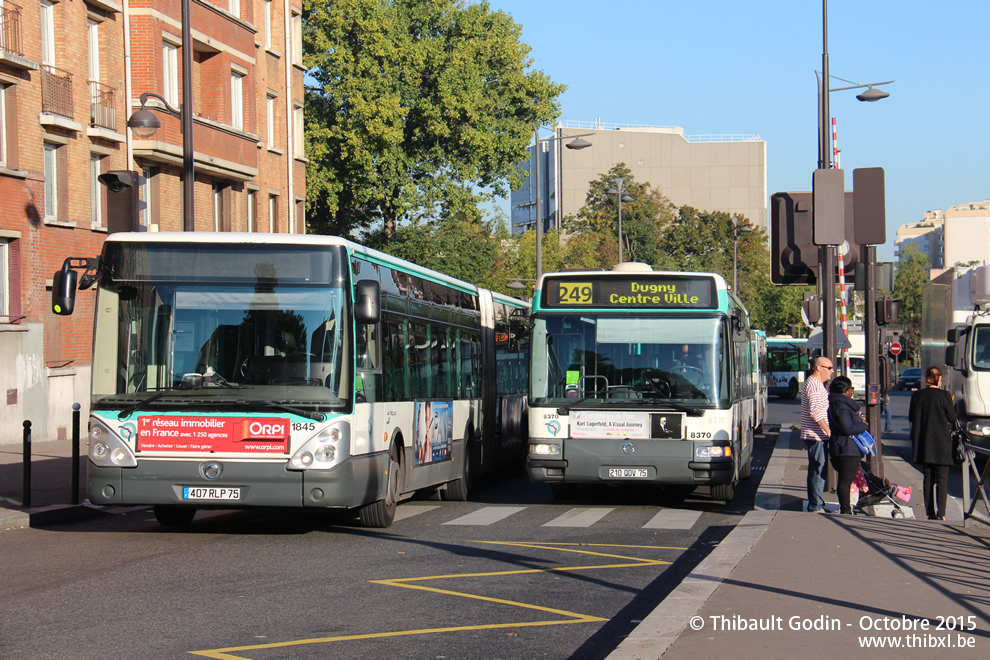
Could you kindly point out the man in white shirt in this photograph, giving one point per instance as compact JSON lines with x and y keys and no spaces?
{"x":814,"y":427}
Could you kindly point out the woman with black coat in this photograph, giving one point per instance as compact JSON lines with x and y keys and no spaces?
{"x":845,"y":421}
{"x":931,"y":414}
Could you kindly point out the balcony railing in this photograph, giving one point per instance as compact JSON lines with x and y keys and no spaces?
{"x":10,"y":29}
{"x":56,"y":91}
{"x":102,"y":111}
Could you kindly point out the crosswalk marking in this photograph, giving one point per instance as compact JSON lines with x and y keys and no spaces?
{"x":579,"y":518}
{"x":486,"y":516}
{"x":410,"y":510}
{"x":673,"y":519}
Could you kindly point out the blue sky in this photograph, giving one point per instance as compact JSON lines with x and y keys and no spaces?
{"x":714,"y":66}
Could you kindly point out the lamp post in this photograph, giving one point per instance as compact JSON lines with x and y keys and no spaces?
{"x":622,"y":196}
{"x":576,"y":143}
{"x":736,"y":230}
{"x":826,"y":253}
{"x":144,"y":123}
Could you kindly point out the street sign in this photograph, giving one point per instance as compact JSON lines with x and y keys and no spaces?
{"x":895,"y":348}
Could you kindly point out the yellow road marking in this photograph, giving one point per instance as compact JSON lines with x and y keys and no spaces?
{"x":572,"y":617}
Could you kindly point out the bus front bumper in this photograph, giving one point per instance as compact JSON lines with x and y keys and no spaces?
{"x":352,"y":483}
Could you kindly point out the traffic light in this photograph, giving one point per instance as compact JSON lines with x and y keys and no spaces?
{"x":812,"y":306}
{"x":122,"y":200}
{"x":888,"y":309}
{"x":793,"y":253}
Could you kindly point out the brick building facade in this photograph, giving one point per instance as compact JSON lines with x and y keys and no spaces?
{"x":71,"y":73}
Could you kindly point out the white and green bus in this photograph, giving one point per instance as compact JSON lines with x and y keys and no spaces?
{"x":639,"y":377}
{"x":250,"y":370}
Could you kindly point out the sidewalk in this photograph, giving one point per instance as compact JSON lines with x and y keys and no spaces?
{"x":51,"y":486}
{"x":785,"y":583}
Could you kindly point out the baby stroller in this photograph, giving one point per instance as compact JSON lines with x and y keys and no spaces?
{"x":873,"y":490}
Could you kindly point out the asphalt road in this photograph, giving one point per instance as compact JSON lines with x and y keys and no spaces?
{"x":512,"y":573}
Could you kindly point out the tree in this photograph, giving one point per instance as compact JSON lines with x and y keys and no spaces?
{"x":417,"y":101}
{"x":910,"y":276}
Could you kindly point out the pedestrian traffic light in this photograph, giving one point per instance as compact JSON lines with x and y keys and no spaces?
{"x":888,"y":309}
{"x":122,"y":200}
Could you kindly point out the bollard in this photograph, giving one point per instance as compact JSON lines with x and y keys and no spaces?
{"x":26,"y":499}
{"x":75,"y":453}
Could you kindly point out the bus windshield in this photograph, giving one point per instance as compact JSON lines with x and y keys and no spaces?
{"x":208,"y":342}
{"x":623,"y":359}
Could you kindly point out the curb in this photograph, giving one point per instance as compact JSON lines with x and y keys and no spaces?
{"x":56,"y":514}
{"x":651,"y":638}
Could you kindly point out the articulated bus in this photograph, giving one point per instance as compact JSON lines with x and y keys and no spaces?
{"x":639,"y":377}
{"x":787,"y":362}
{"x":251,"y":370}
{"x":761,"y":377}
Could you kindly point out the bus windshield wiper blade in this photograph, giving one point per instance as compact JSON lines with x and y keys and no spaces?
{"x":566,"y":409}
{"x":126,"y":412}
{"x":309,"y":414}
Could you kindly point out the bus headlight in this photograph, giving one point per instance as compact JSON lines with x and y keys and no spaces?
{"x":106,"y":448}
{"x":545,"y":449}
{"x":713,"y":451}
{"x":325,"y":450}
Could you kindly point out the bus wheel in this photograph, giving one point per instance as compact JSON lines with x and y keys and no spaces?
{"x":174,"y":516}
{"x":792,"y":394}
{"x":564,"y":491}
{"x":382,"y":512}
{"x":723,"y":492}
{"x":459,"y":489}
{"x":746,"y":469}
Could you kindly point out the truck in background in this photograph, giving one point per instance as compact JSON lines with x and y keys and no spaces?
{"x":857,"y":364}
{"x":955,"y":337}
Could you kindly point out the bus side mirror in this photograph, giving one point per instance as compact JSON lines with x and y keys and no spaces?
{"x":367,"y":302}
{"x":64,"y":290}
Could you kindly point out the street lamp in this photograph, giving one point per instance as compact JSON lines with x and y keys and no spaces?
{"x":576,"y":143}
{"x":736,"y":230}
{"x":622,"y":196}
{"x":826,"y":253}
{"x":144,"y":123}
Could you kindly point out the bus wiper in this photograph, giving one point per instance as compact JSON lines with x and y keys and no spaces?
{"x":309,"y":414}
{"x":566,"y":410}
{"x":126,"y":412}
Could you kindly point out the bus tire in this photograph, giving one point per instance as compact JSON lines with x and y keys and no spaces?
{"x":723,"y":492}
{"x":174,"y":516}
{"x":459,"y":489}
{"x":564,"y":491}
{"x":746,"y":469}
{"x":793,"y":391}
{"x":381,"y":513}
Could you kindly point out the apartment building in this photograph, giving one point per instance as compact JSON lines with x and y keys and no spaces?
{"x":71,"y":73}
{"x":958,"y":235}
{"x":709,"y":172}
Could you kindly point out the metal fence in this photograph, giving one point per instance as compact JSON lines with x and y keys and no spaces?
{"x":102,"y":111}
{"x":10,"y":29}
{"x":56,"y":91}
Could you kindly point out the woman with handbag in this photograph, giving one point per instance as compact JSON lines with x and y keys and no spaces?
{"x":845,"y":421}
{"x":931,"y":415}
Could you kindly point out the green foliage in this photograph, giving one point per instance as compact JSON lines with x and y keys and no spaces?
{"x":911,"y":274}
{"x":417,"y":101}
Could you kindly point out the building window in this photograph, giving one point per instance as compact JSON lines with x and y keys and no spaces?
{"x":252,"y":211}
{"x":297,"y":39}
{"x":237,"y":100}
{"x":219,"y":207}
{"x":47,"y":33}
{"x":299,"y":140}
{"x":93,"y":34}
{"x":270,"y":119}
{"x":3,"y":125}
{"x":235,"y":7}
{"x":145,"y":197}
{"x":51,"y":181}
{"x":273,"y":214}
{"x":170,"y":73}
{"x":95,"y":190}
{"x":300,"y":219}
{"x":4,"y":279}
{"x":268,"y":24}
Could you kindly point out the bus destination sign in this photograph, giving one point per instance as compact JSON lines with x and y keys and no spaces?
{"x":644,"y":292}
